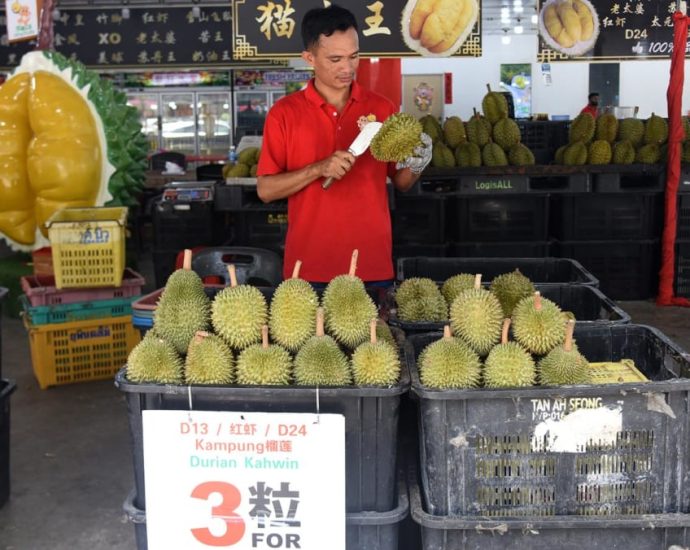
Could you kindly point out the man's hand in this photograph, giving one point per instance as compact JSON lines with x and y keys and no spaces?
{"x":421,"y":157}
{"x":337,"y":165}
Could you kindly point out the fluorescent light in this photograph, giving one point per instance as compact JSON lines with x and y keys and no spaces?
{"x":518,"y":29}
{"x":125,"y":13}
{"x":505,"y":12}
{"x":505,"y":20}
{"x":196,"y":12}
{"x":505,"y":39}
{"x":535,"y":19}
{"x":518,"y":9}
{"x":517,"y":3}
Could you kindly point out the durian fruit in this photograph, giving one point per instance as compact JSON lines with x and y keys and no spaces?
{"x":520,"y":155}
{"x":632,"y":130}
{"x":493,"y":155}
{"x":248,"y":155}
{"x":155,"y":361}
{"x":686,"y":152}
{"x":606,"y":127}
{"x":478,"y":130}
{"x":264,"y":364}
{"x":599,"y":152}
{"x":375,"y":363}
{"x":476,"y":316}
{"x":320,"y":362}
{"x":238,"y":313}
{"x":453,"y":286}
{"x":431,"y":127}
{"x":468,"y":155}
{"x":508,"y":364}
{"x":575,"y":154}
{"x":564,"y":364}
{"x":442,"y":156}
{"x":510,"y":288}
{"x":397,"y":138}
{"x":237,"y":170}
{"x":648,"y":154}
{"x":292,"y":311}
{"x":559,"y":155}
{"x":419,"y":299}
{"x":383,"y":332}
{"x":686,"y":129}
{"x":506,"y":133}
{"x":623,"y":153}
{"x":655,"y":130}
{"x":538,"y":324}
{"x":582,"y":128}
{"x":183,"y":308}
{"x":252,"y":171}
{"x":494,"y":106}
{"x":449,"y":363}
{"x":209,"y":361}
{"x":454,"y":131}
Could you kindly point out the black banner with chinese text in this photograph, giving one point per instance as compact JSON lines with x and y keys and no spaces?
{"x":635,"y":29}
{"x":270,"y":30}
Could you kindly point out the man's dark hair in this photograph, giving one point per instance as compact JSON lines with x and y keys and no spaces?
{"x":325,"y":21}
{"x":591,"y":95}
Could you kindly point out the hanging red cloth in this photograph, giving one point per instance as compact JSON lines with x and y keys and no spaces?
{"x":674,"y":97}
{"x":383,"y":76}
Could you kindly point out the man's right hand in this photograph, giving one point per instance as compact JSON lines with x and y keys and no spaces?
{"x":337,"y":165}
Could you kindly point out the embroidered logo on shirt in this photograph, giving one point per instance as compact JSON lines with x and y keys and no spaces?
{"x":364,"y":120}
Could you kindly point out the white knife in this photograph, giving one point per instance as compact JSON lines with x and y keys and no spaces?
{"x":359,"y":145}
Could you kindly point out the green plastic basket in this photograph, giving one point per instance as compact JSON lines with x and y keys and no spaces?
{"x":78,"y":311}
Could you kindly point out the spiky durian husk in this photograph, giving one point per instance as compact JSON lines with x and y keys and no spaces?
{"x":375,"y":364}
{"x":476,"y":317}
{"x":270,"y":366}
{"x":454,"y":131}
{"x":348,"y":310}
{"x":623,"y":153}
{"x":127,"y":145}
{"x":209,"y":361}
{"x":456,"y":285}
{"x":494,"y":107}
{"x":182,"y":310}
{"x":321,"y":362}
{"x":606,"y":128}
{"x":509,"y":365}
{"x":383,"y":332}
{"x":538,"y":331}
{"x":449,"y":363}
{"x":154,"y":360}
{"x":292,"y":314}
{"x":238,"y":313}
{"x":655,"y":130}
{"x":419,"y":299}
{"x":582,"y":128}
{"x":510,"y":288}
{"x":561,"y":367}
{"x":632,"y":130}
{"x":397,"y":138}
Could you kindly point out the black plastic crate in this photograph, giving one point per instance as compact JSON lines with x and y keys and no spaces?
{"x":3,"y":295}
{"x":543,"y":134}
{"x":628,"y":178}
{"x":238,"y":193}
{"x":163,"y":265}
{"x":528,"y":249}
{"x":603,"y":217}
{"x":6,"y":389}
{"x":431,"y":250}
{"x":627,"y":270}
{"x":498,"y":218}
{"x":515,"y":452}
{"x":435,"y":181}
{"x":182,"y":225}
{"x":654,"y":531}
{"x":363,"y":531}
{"x":682,"y":271}
{"x":260,"y":228}
{"x":419,"y":220}
{"x":587,"y":303}
{"x":683,"y":220}
{"x":556,"y":182}
{"x":371,"y":422}
{"x":542,"y":271}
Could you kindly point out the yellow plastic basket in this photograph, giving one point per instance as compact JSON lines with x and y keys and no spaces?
{"x":80,"y":351}
{"x":88,"y":246}
{"x":623,"y":371}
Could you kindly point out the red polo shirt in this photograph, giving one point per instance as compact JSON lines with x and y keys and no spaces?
{"x":325,"y":226}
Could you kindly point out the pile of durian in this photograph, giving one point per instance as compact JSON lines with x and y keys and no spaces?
{"x":489,"y":140}
{"x":608,"y":140}
{"x":245,"y":167}
{"x":238,"y":338}
{"x":543,"y":350}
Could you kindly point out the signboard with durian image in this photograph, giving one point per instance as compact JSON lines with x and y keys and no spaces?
{"x":591,"y":30}
{"x":387,"y":28}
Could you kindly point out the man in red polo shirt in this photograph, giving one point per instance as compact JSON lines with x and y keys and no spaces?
{"x":306,"y":137}
{"x":592,"y":106}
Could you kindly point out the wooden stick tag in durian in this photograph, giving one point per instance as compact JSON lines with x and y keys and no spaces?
{"x":353,"y":262}
{"x":569,"y":329}
{"x":372,"y":330}
{"x":295,"y":270}
{"x":264,"y":336}
{"x":478,"y":281}
{"x":200,"y":335}
{"x":233,"y":275}
{"x":537,"y":300}
{"x":504,"y":333}
{"x":319,"y":322}
{"x":187,"y":261}
{"x":446,"y":332}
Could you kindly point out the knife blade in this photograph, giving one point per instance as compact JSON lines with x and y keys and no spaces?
{"x":359,"y":145}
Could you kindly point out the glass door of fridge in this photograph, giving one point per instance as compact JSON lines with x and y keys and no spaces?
{"x":214,"y":123}
{"x":149,"y":115}
{"x":179,"y":127}
{"x":250,"y":112}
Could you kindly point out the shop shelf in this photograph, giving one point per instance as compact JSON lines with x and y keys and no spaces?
{"x":588,"y":450}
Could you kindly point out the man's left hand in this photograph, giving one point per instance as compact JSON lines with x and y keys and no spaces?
{"x":422,"y":156}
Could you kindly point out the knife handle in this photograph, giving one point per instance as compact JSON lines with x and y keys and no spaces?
{"x":326,"y":184}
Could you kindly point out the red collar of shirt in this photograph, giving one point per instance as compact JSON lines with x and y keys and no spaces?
{"x":312,"y":94}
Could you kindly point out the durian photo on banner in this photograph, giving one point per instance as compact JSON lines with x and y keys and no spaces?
{"x":423,"y":94}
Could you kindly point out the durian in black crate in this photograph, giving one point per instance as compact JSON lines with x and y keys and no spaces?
{"x":264,"y":364}
{"x":375,"y":363}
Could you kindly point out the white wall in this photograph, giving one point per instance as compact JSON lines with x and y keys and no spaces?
{"x":642,"y":83}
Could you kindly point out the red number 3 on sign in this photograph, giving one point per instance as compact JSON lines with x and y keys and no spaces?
{"x":225,"y":511}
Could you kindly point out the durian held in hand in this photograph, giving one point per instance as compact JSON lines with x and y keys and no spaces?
{"x":183,"y":308}
{"x":348,"y":308}
{"x":538,"y":324}
{"x":564,"y":364}
{"x":292,"y":318}
{"x":449,"y":363}
{"x":508,"y":364}
{"x":264,"y":364}
{"x":375,"y":363}
{"x":321,"y":362}
{"x":209,"y":361}
{"x":397,"y":139}
{"x":238,"y":313}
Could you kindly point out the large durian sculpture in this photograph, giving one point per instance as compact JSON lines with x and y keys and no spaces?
{"x":449,"y":363}
{"x":564,"y":364}
{"x":67,"y":139}
{"x":508,"y":364}
{"x":264,"y":364}
{"x":209,"y":361}
{"x":375,"y":363}
{"x":397,"y":139}
{"x":183,"y":308}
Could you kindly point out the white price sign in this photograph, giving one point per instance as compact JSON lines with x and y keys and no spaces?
{"x":244,"y":480}
{"x":22,"y":19}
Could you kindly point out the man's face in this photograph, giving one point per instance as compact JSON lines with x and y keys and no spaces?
{"x":335,"y":59}
{"x":594,"y":100}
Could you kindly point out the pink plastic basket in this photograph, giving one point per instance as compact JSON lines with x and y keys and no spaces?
{"x":42,"y":291}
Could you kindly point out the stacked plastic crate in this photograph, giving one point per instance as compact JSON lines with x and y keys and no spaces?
{"x":682,"y":271}
{"x":80,"y":321}
{"x":6,"y":389}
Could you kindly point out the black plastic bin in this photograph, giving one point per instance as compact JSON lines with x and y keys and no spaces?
{"x":419,"y":220}
{"x":507,"y":249}
{"x":682,"y":271}
{"x":513,"y":452}
{"x":3,"y":295}
{"x":371,"y":423}
{"x":648,"y":532}
{"x":6,"y":389}
{"x":363,"y":531}
{"x":542,"y":271}
{"x":587,"y":303}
